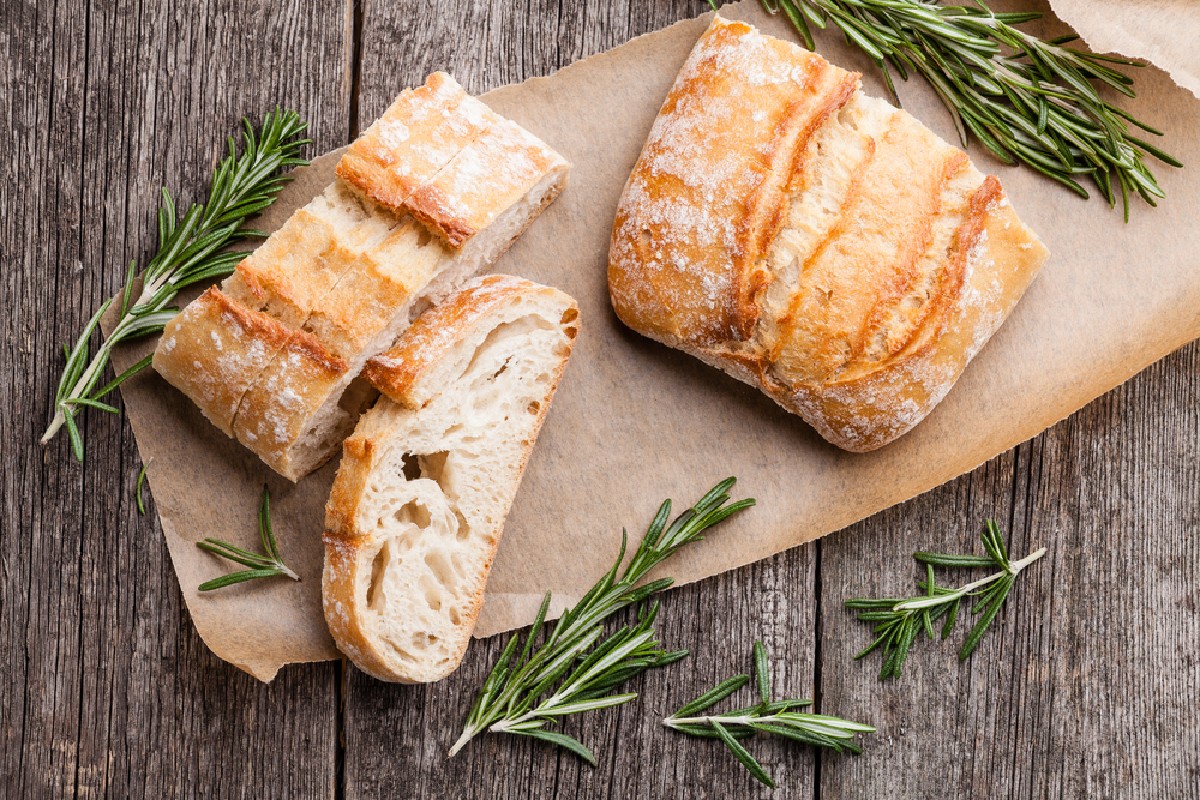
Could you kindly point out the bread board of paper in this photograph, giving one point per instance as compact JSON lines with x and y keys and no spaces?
{"x":634,"y":421}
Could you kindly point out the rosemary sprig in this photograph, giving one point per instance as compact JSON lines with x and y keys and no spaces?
{"x":267,"y":564}
{"x":576,"y":668}
{"x":141,"y":481}
{"x":1025,"y":99}
{"x":898,"y":622}
{"x":778,"y":717}
{"x":190,"y":249}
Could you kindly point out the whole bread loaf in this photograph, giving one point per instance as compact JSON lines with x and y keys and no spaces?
{"x":429,"y":195}
{"x":812,"y":241}
{"x":427,"y":479}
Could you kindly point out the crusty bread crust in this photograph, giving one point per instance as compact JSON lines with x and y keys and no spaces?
{"x":434,"y":354}
{"x":889,"y":262}
{"x":706,"y":193}
{"x":429,"y":124}
{"x":488,"y":176}
{"x":214,"y":349}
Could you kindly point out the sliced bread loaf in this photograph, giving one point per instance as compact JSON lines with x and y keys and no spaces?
{"x":427,"y":479}
{"x":428,"y":196}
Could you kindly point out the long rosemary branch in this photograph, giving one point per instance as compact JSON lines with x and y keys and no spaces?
{"x":1025,"y":99}
{"x":190,"y":249}
{"x":576,"y":667}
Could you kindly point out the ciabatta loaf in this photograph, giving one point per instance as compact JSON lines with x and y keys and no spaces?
{"x":428,"y":196}
{"x":812,"y":241}
{"x":427,"y":479}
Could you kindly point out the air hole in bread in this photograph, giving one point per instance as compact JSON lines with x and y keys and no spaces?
{"x":414,"y":513}
{"x":464,"y":530}
{"x":535,"y":407}
{"x":423,"y":236}
{"x":378,"y":568}
{"x":571,"y":332}
{"x":570,"y":315}
{"x":411,"y":466}
{"x":441,"y":567}
{"x":433,"y":466}
{"x":433,"y":593}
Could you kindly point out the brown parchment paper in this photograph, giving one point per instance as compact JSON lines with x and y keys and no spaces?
{"x":634,"y":422}
{"x":1164,"y":32}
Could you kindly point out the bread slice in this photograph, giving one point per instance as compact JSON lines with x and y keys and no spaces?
{"x":345,"y":274}
{"x":811,"y":241}
{"x":427,"y":479}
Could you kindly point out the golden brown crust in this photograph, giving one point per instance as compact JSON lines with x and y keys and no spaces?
{"x":416,"y":137}
{"x":706,"y":193}
{"x":889,"y":260}
{"x":424,"y":345}
{"x":995,"y":258}
{"x":490,"y":174}
{"x":213,"y":350}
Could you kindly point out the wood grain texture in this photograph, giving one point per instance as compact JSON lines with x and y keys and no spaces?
{"x":1085,"y":688}
{"x":108,"y":692}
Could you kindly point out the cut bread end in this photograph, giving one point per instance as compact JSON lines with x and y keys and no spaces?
{"x":419,"y":502}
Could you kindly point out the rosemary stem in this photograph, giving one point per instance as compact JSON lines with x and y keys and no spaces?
{"x":468,"y":734}
{"x":672,"y":722}
{"x":1014,"y":568}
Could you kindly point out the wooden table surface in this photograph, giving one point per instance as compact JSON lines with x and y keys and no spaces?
{"x":1087,"y":686}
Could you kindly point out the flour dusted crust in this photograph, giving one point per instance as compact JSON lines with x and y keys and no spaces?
{"x":418,"y":506}
{"x":489,"y":175}
{"x":344,"y":275}
{"x":213,"y":349}
{"x":414,"y":139}
{"x":850,"y":270}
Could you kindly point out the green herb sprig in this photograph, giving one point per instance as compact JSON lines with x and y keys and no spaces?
{"x":190,"y":249}
{"x":576,"y":668}
{"x":776,"y":717}
{"x":1025,"y":99}
{"x":898,"y":622}
{"x":268,"y":564}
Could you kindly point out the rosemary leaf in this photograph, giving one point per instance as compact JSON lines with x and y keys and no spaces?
{"x":141,"y":481}
{"x":577,"y":667}
{"x":189,"y":250}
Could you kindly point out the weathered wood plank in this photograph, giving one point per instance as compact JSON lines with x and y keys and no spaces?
{"x":107,"y":690}
{"x":1085,"y":686}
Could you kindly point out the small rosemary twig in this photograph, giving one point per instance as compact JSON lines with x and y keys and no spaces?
{"x":190,"y":249}
{"x":141,"y":481}
{"x":777,"y":717}
{"x":576,"y":668}
{"x":267,"y":564}
{"x":898,"y":622}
